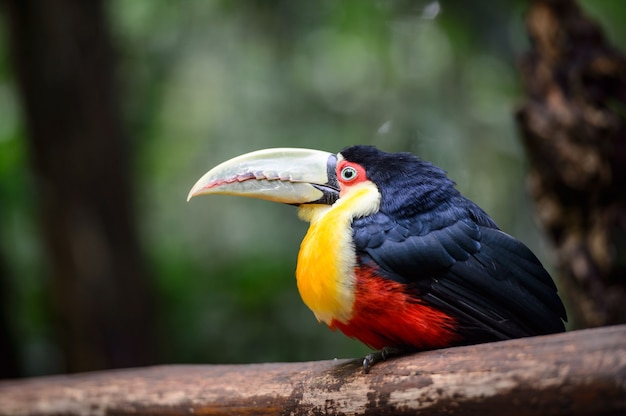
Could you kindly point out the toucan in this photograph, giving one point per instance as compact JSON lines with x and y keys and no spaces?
{"x":395,"y":256}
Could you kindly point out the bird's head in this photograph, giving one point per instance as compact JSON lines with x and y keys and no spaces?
{"x":402,"y":182}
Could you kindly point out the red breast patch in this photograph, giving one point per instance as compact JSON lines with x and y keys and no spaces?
{"x":387,"y":314}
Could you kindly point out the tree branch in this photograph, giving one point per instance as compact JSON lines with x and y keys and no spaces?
{"x":576,"y":373}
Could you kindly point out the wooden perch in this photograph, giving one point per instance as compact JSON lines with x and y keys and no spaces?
{"x":576,"y":373}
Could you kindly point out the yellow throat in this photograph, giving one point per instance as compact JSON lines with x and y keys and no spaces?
{"x":326,"y":261}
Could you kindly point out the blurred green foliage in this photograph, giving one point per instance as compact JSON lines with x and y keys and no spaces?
{"x":204,"y":80}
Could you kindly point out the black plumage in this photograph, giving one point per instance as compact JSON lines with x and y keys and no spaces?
{"x":450,"y":253}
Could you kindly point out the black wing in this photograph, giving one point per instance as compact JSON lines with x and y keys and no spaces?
{"x":490,"y":282}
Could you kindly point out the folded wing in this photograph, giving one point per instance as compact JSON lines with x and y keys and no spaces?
{"x":490,"y":282}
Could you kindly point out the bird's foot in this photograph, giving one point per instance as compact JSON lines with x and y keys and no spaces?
{"x":378,"y":356}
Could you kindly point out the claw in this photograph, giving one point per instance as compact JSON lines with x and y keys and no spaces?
{"x":372,"y":358}
{"x":369,"y":360}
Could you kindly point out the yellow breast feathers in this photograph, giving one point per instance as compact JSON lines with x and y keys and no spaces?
{"x":325,"y":271}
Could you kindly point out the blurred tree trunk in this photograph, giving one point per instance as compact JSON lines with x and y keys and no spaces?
{"x":8,"y":354}
{"x":573,"y":125}
{"x":64,"y":64}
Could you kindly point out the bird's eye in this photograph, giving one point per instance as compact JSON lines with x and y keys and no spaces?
{"x":348,"y":173}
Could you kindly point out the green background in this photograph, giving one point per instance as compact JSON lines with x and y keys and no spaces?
{"x":203,"y":81}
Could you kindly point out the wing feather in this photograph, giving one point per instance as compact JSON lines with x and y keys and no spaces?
{"x":494,"y":285}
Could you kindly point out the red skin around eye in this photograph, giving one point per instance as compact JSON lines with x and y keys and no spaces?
{"x":361,"y":176}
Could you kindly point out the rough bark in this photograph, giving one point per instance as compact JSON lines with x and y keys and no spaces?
{"x":576,"y":373}
{"x":573,"y":125}
{"x":64,"y":66}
